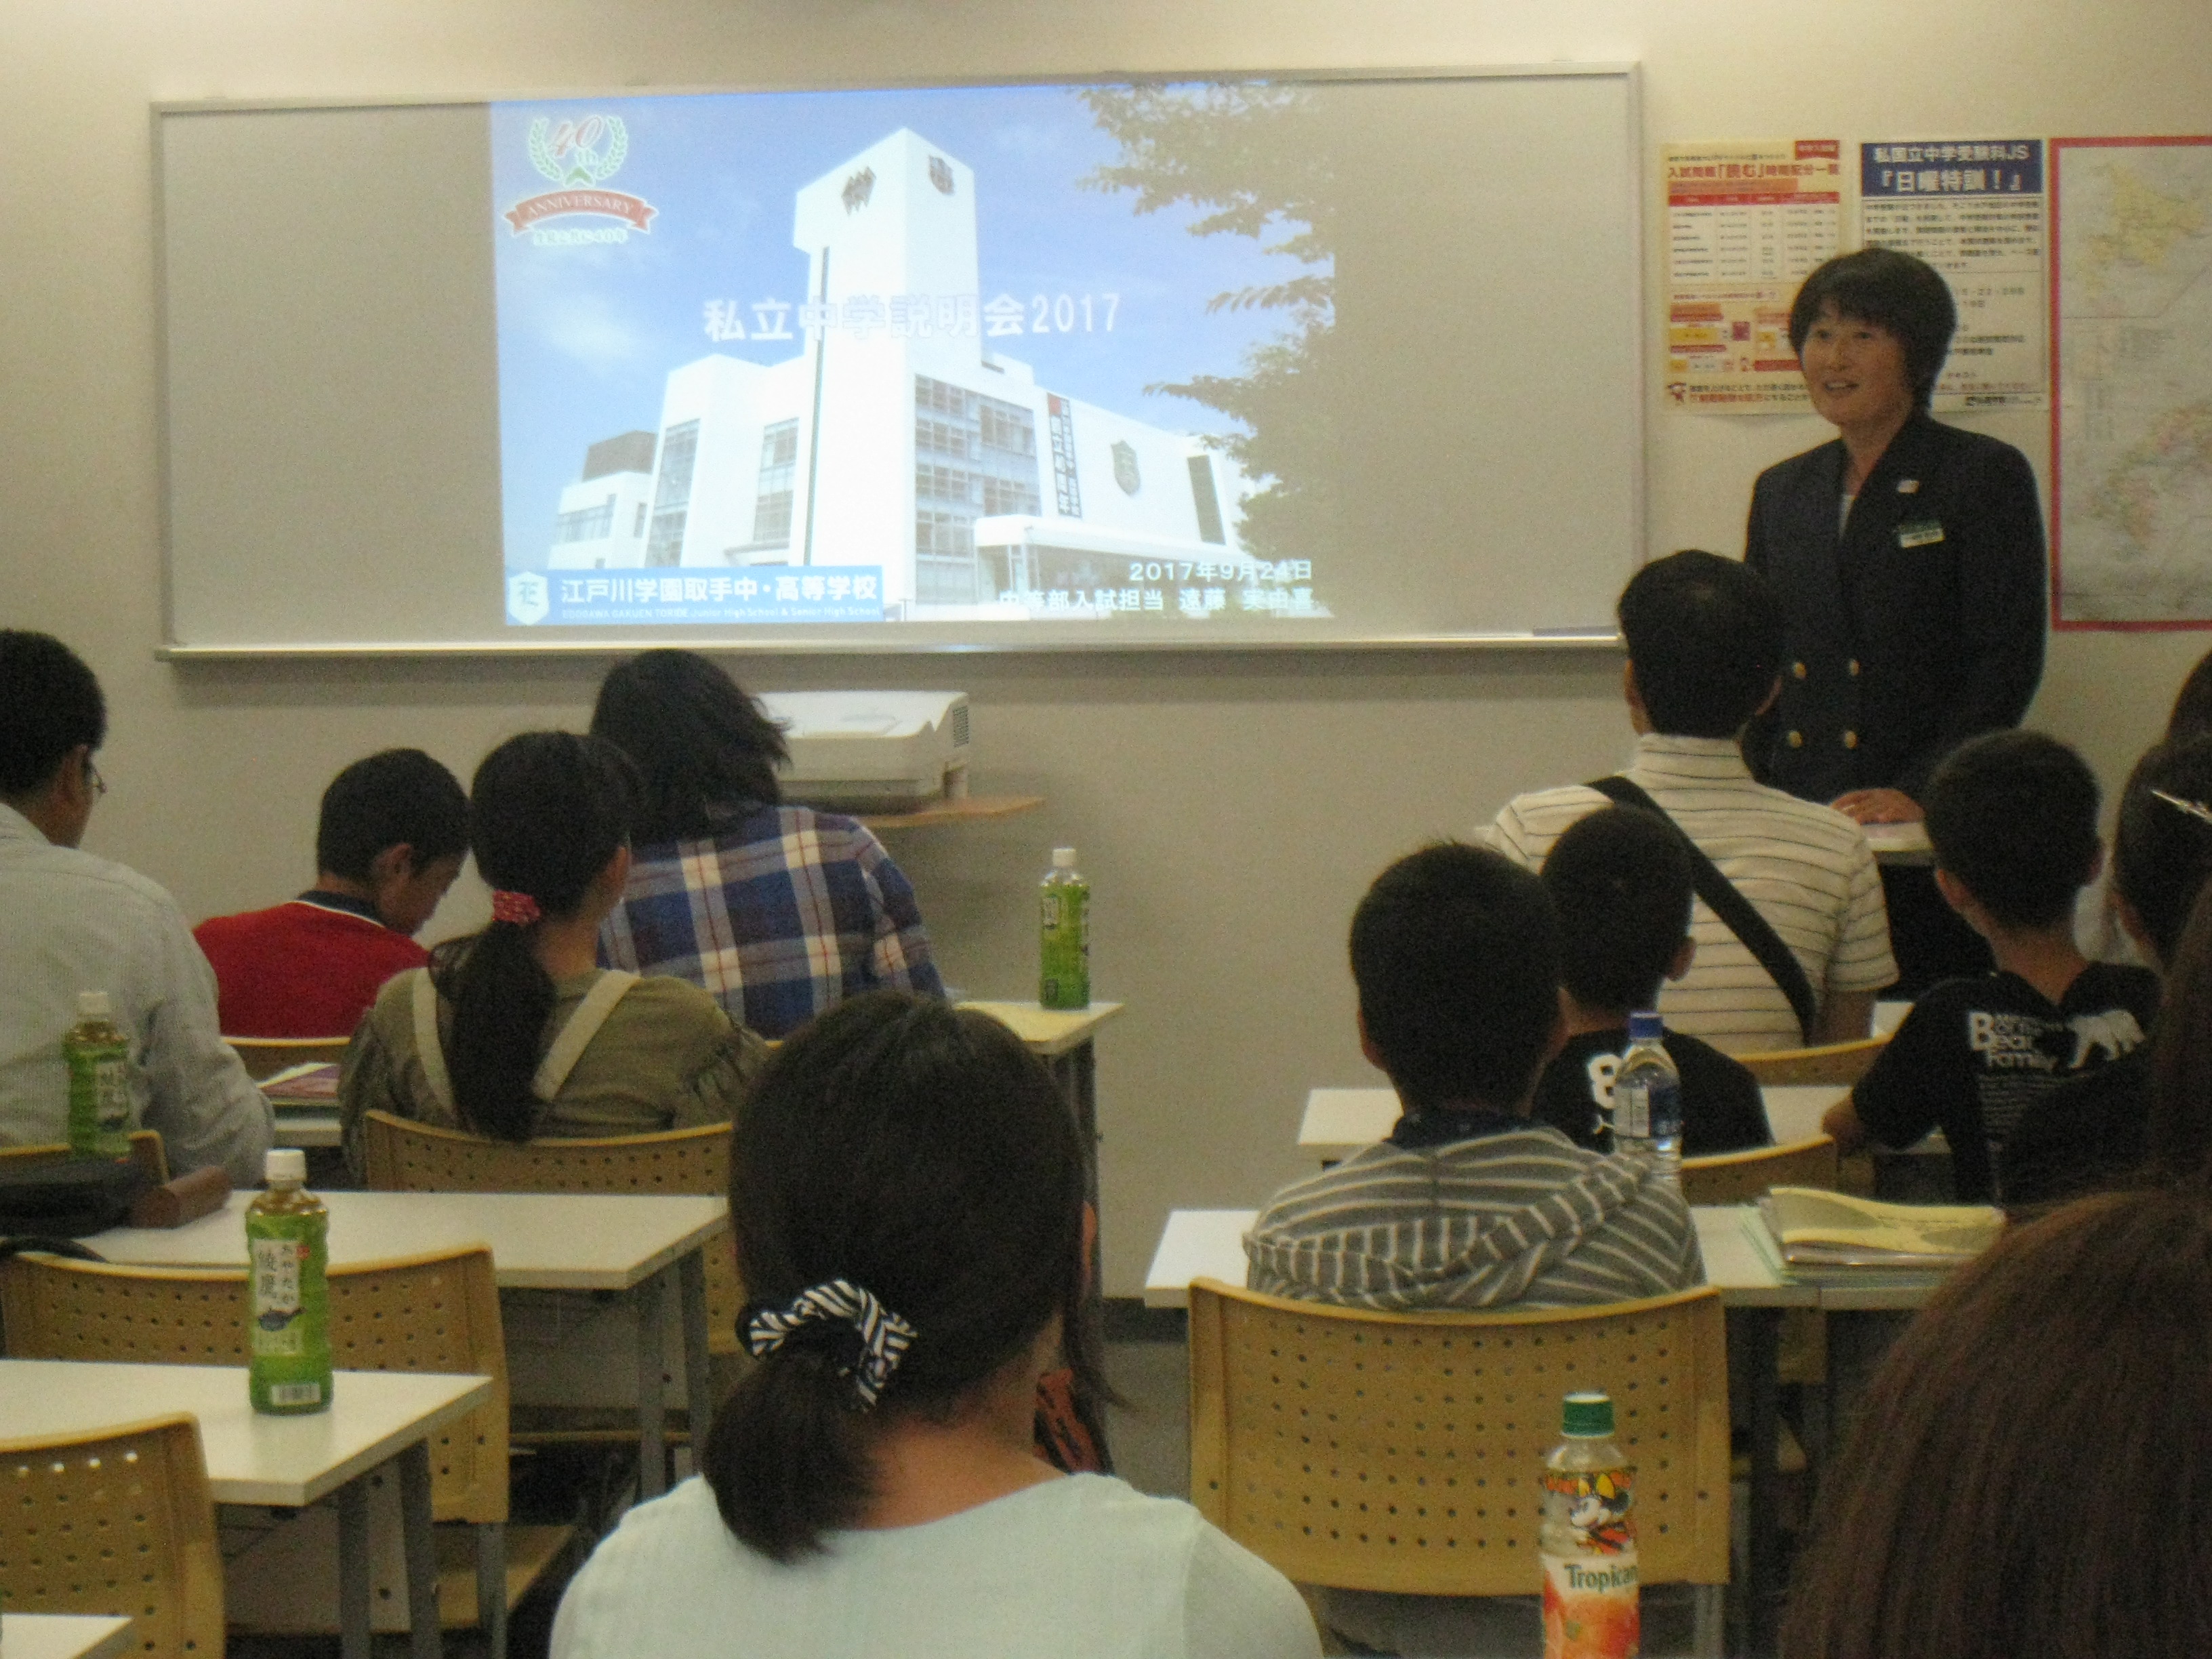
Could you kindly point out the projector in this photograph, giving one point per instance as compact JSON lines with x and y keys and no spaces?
{"x":873,"y":751}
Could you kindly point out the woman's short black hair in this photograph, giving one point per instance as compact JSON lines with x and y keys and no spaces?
{"x":1893,"y":291}
{"x":919,"y":1152}
{"x":703,"y":748}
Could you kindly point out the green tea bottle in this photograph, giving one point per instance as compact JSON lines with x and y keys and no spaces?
{"x":288,"y":1249}
{"x":98,"y":1058}
{"x":1064,"y":979}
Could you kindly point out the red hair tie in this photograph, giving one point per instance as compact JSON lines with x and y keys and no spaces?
{"x":519,"y":909}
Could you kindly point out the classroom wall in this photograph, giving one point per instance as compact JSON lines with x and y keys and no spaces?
{"x":1229,"y":808}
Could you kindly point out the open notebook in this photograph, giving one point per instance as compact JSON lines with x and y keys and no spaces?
{"x":1817,"y":1228}
{"x":312,"y":1085}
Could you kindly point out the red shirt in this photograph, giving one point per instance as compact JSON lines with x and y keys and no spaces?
{"x":309,"y":969}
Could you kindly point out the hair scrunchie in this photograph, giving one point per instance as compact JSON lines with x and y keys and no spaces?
{"x":877,"y":1337}
{"x":519,"y":909}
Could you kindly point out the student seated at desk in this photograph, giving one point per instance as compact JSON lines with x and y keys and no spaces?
{"x":1619,"y":884}
{"x":2024,"y":1476}
{"x":907,"y":1194}
{"x":71,"y":922}
{"x":515,"y":1032}
{"x":2012,"y":817}
{"x":779,"y":911}
{"x":1468,"y":1204}
{"x":392,"y":832}
{"x":2090,"y":1133}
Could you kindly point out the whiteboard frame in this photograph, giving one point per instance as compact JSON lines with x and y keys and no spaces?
{"x":618,"y":643}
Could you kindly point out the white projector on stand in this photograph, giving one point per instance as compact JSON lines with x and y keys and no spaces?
{"x":873,"y":751}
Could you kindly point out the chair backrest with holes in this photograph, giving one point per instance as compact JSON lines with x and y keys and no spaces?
{"x":1739,"y":1177}
{"x":402,"y":1156}
{"x":118,"y":1523}
{"x":429,"y":1313}
{"x":1402,"y":1452}
{"x":1834,"y":1062}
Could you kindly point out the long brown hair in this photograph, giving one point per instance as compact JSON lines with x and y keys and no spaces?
{"x":2032,"y":1472}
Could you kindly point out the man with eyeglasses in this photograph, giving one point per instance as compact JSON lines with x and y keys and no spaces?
{"x":71,"y":922}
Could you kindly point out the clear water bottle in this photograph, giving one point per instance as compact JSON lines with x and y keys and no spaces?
{"x":1647,"y":1097}
{"x":1064,"y":936}
{"x":1592,"y":1598}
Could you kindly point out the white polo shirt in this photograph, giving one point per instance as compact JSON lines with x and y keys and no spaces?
{"x":70,"y":922}
{"x":1805,"y":867}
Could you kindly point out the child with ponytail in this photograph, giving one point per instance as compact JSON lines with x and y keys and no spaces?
{"x":515,"y":1032}
{"x":907,"y":1198}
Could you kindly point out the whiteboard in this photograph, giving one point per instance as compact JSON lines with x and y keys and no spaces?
{"x":391,"y":396}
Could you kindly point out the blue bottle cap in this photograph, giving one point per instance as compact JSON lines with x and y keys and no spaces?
{"x":1646,"y":1027}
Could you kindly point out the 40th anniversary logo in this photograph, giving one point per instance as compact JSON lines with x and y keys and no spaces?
{"x":578,"y":156}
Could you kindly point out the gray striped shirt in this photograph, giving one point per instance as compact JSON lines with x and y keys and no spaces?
{"x":1522,"y":1218}
{"x":1806,"y":868}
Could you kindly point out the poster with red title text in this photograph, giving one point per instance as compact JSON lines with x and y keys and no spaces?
{"x":1746,"y":220}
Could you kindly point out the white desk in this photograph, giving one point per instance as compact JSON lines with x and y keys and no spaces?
{"x":1338,"y":1122}
{"x":307,"y":1126}
{"x":375,"y":1418}
{"x":1899,"y":843}
{"x":639,"y":1246}
{"x":63,"y":1636}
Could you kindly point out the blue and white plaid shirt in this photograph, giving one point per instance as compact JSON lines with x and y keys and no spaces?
{"x":784,"y":914}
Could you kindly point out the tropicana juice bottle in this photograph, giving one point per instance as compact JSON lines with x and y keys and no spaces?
{"x":1592,"y":1608}
{"x":288,"y":1249}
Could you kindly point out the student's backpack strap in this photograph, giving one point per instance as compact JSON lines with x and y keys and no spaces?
{"x":576,"y":1036}
{"x":1737,"y":912}
{"x":430,"y":1048}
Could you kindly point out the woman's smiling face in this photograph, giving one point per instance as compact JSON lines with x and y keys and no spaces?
{"x":1855,"y":372}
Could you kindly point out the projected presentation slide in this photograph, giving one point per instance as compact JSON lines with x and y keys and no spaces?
{"x":958,"y":356}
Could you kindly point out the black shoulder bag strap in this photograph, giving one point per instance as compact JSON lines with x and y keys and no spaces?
{"x":1741,"y":916}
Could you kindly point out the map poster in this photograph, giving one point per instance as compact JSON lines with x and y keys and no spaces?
{"x":2131,"y":328}
{"x":1744,"y":222}
{"x":1974,"y":209}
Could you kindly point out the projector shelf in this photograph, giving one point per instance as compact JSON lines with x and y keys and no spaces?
{"x":966,"y":809}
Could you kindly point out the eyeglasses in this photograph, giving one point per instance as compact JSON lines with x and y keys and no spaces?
{"x":92,"y":776}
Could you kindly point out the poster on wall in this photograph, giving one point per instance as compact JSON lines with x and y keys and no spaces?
{"x":1746,"y":220}
{"x":2131,"y":326}
{"x":1974,"y":209}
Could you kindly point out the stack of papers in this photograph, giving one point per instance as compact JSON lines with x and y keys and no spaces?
{"x":312,"y":1085}
{"x":1815,"y":1228}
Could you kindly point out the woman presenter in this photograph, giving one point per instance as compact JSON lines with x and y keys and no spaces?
{"x":1908,"y":556}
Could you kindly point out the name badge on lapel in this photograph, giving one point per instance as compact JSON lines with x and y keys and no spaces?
{"x":1921,"y":532}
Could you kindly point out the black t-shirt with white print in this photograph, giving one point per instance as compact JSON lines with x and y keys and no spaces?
{"x":1974,"y":1054}
{"x":1721,"y":1107}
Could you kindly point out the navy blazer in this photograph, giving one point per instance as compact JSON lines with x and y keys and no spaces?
{"x":1918,"y":627}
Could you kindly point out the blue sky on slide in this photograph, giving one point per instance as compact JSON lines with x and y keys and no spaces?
{"x":589,"y":334}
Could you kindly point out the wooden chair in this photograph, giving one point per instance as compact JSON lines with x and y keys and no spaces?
{"x":402,"y":1156}
{"x":1741,"y":1177}
{"x":118,"y":1523}
{"x":1843,"y":1063}
{"x":430,"y":1313}
{"x":266,"y":1056}
{"x":1401,"y":1452}
{"x":146,"y":1150}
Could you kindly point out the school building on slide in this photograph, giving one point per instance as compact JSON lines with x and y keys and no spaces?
{"x":895,"y":437}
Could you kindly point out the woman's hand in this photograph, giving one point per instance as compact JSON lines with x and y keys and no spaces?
{"x":1878,"y":806}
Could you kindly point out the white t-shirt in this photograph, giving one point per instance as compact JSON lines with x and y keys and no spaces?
{"x":1080,"y":1568}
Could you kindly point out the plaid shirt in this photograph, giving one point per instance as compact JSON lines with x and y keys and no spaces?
{"x":784,"y":914}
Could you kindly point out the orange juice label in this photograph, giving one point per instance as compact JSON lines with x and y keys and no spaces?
{"x":1591,"y":1609}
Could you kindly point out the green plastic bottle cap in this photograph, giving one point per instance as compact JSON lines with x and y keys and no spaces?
{"x":1588,"y":1416}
